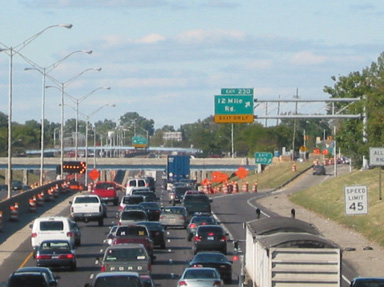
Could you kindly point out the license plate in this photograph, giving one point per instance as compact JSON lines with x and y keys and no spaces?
{"x":210,"y":238}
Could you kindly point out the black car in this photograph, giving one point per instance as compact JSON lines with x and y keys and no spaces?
{"x":367,"y":282}
{"x":198,"y":220}
{"x":318,"y":170}
{"x":210,"y":237}
{"x":153,"y":210}
{"x":51,"y":277}
{"x":150,"y":181}
{"x":215,"y":260}
{"x":156,"y":232}
{"x":28,"y":279}
{"x":148,"y":195}
{"x":177,"y":193}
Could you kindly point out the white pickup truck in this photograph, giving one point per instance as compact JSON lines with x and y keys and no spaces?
{"x":87,"y":208}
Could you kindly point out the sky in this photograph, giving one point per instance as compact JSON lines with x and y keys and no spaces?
{"x":167,"y":59}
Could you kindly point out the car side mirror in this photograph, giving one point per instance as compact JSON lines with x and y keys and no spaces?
{"x":70,"y":202}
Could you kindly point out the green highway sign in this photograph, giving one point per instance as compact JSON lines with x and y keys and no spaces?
{"x":237,"y":91}
{"x":233,"y":105}
{"x":263,"y":157}
{"x":139,"y":141}
{"x":234,"y":109}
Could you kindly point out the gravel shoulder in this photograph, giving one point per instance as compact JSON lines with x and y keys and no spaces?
{"x":366,"y":257}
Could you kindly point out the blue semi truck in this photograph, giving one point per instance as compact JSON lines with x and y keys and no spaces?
{"x":178,"y":169}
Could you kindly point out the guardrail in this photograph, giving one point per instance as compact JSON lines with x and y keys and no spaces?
{"x":22,"y":199}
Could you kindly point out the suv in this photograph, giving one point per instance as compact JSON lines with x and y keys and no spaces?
{"x":28,"y":279}
{"x":124,"y":257}
{"x":55,"y":227}
{"x":151,"y":183}
{"x":210,"y":237}
{"x":116,"y":279}
{"x":134,"y":182}
{"x":197,"y":203}
{"x":107,"y":190}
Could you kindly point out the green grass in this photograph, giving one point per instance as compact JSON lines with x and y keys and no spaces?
{"x":328,"y":200}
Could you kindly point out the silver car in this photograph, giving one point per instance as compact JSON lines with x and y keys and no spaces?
{"x":200,"y":277}
{"x":173,"y":216}
{"x":131,"y":216}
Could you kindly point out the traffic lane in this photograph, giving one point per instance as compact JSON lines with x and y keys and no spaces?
{"x":170,"y":264}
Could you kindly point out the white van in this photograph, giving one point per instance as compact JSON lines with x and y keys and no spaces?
{"x":54,"y":227}
{"x":134,"y":183}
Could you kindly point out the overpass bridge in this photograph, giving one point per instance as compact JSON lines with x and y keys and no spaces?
{"x":50,"y":163}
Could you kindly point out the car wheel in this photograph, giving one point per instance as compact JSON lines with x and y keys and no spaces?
{"x":189,"y":237}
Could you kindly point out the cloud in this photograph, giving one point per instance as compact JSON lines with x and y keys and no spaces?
{"x":209,"y":36}
{"x":307,"y":58}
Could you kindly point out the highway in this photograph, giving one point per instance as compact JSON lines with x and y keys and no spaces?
{"x":169,"y":263}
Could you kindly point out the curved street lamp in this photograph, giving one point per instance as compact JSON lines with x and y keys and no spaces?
{"x":11,"y":51}
{"x":77,"y":101}
{"x":45,"y":71}
{"x":61,"y":86}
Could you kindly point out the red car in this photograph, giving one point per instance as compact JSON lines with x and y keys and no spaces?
{"x":107,"y":191}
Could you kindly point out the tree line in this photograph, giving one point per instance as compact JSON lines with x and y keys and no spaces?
{"x":354,"y":136}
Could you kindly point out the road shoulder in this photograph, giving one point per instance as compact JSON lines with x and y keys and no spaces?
{"x":366,"y":257}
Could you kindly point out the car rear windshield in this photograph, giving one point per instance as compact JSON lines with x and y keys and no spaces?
{"x":105,"y":185}
{"x":133,"y":199}
{"x":25,"y":280}
{"x":133,"y":215}
{"x":131,"y":231}
{"x":204,"y":230}
{"x":51,"y":225}
{"x":121,"y":254}
{"x":173,"y":210}
{"x":87,"y":199}
{"x":116,"y":281}
{"x":139,"y":183}
{"x":196,"y":198}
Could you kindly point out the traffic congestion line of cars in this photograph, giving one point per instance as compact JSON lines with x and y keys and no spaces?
{"x":130,"y":242}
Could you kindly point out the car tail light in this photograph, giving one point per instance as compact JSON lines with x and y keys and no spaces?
{"x":46,"y":256}
{"x":197,"y":238}
{"x":223,"y":238}
{"x":181,"y":217}
{"x":203,"y":223}
{"x":119,"y":223}
{"x":34,"y":234}
{"x":66,"y":256}
{"x":183,"y":283}
{"x":197,"y":265}
{"x":211,"y":234}
{"x":102,"y":268}
{"x":217,"y":283}
{"x":192,"y":225}
{"x":162,"y":216}
{"x":120,"y":207}
{"x":69,"y":234}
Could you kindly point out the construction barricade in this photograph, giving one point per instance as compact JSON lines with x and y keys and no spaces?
{"x":244,"y":187}
{"x":14,"y":212}
{"x":40,"y":199}
{"x":235,"y":187}
{"x":225,"y":188}
{"x":50,"y":194}
{"x":32,"y":204}
{"x":254,"y":187}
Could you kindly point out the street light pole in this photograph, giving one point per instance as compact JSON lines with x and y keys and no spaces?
{"x":77,"y":101}
{"x":11,"y":51}
{"x":44,"y":71}
{"x":61,"y":86}
{"x":87,"y":117}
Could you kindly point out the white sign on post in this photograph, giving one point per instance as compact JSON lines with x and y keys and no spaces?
{"x":376,"y":156}
{"x":356,"y":199}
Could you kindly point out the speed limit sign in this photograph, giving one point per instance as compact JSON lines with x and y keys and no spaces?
{"x":356,"y":199}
